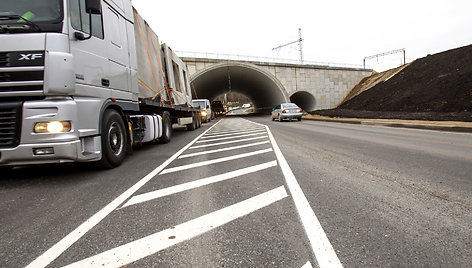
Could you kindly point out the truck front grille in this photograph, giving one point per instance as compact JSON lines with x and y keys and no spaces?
{"x":10,"y":124}
{"x":21,"y":76}
{"x":21,"y":71}
{"x":3,"y":59}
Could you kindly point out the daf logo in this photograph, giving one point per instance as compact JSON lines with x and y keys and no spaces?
{"x":30,"y":56}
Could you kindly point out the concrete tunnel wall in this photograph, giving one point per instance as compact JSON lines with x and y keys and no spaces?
{"x":264,"y":90}
{"x":311,"y":87}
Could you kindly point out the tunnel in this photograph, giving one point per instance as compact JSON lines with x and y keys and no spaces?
{"x":304,"y":100}
{"x":263,"y":88}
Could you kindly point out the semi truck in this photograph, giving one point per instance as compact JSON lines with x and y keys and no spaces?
{"x":85,"y":80}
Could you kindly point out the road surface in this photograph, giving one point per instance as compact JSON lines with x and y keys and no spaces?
{"x":246,"y":191}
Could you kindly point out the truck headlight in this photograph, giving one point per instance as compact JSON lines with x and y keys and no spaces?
{"x":204,"y":113}
{"x":52,"y":127}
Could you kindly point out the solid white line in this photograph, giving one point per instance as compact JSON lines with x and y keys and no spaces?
{"x":223,"y":149}
{"x":198,"y":183}
{"x":52,"y":253}
{"x":322,"y":248}
{"x":227,"y":142}
{"x":214,"y":161}
{"x":233,"y":137}
{"x":229,"y":134}
{"x":307,"y":265}
{"x":141,"y":248}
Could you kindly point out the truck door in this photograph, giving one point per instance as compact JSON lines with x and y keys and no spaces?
{"x":90,"y":57}
{"x":116,"y":49}
{"x":102,"y":60}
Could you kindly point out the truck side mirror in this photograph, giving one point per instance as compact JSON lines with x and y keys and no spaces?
{"x":208,"y":106}
{"x":93,"y":7}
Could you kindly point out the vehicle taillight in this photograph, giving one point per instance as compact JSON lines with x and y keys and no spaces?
{"x":284,"y":111}
{"x":301,"y":110}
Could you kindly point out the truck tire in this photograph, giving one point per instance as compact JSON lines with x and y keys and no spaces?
{"x":166,"y":128}
{"x":193,"y":125}
{"x":114,"y":139}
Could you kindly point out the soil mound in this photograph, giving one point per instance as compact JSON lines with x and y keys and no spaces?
{"x":370,"y":81}
{"x":436,"y":87}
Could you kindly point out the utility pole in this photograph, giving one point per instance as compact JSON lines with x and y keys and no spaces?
{"x":300,"y":45}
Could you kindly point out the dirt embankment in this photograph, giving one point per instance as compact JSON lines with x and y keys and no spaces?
{"x":436,"y":87}
{"x":370,"y":81}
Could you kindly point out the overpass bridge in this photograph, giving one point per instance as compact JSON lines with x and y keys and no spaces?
{"x":266,"y":83}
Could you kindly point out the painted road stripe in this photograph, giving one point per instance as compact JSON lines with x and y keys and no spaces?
{"x":322,"y":248}
{"x":214,"y":161}
{"x":223,"y":149}
{"x":136,"y":250}
{"x":227,"y":142}
{"x":233,"y":131}
{"x":233,"y":137}
{"x":198,"y":183}
{"x":229,"y":134}
{"x":307,"y":265}
{"x":52,"y":253}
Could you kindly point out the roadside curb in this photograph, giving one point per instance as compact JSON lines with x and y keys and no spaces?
{"x":428,"y":125}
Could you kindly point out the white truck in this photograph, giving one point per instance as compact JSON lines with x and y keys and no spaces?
{"x":85,"y":80}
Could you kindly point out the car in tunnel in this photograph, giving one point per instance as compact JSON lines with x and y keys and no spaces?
{"x":287,"y":111}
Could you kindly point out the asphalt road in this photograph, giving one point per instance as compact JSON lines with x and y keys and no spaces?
{"x":222,"y":196}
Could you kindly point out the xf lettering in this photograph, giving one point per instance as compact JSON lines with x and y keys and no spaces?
{"x":30,"y":56}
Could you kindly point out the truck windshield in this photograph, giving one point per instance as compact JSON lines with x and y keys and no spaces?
{"x":199,"y":104}
{"x":31,"y":16}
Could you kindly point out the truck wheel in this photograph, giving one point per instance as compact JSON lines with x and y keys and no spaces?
{"x":192,"y":126}
{"x":113,"y":139}
{"x":166,"y":128}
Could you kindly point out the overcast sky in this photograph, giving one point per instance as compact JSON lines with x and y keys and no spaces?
{"x":333,"y":31}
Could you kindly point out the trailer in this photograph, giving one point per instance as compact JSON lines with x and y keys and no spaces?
{"x":85,"y":81}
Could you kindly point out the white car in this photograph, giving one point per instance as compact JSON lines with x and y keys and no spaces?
{"x":287,"y":111}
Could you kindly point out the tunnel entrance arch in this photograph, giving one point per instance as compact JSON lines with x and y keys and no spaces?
{"x":262,"y":87}
{"x":304,"y":100}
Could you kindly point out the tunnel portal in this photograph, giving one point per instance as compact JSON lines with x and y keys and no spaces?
{"x":264,"y":90}
{"x":304,"y":100}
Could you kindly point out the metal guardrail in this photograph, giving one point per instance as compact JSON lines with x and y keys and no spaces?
{"x":209,"y":55}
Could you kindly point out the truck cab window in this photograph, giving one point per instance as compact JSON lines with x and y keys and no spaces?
{"x":80,"y":19}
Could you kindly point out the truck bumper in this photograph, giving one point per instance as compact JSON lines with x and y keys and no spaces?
{"x":59,"y":152}
{"x":43,"y":148}
{"x":24,"y":154}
